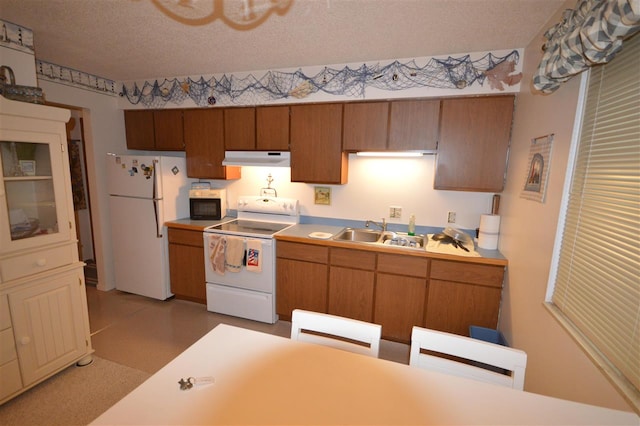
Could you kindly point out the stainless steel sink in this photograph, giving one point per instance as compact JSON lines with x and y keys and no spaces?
{"x":359,"y":235}
{"x":387,"y":238}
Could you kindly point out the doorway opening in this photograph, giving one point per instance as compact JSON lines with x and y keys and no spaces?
{"x":80,"y":191}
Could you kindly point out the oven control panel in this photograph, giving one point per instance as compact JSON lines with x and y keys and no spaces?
{"x":268,"y":205}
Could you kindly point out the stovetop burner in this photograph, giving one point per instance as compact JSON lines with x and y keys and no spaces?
{"x":242,"y":226}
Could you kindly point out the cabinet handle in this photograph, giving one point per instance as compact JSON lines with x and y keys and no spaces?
{"x":41,"y":262}
{"x":25,"y":340}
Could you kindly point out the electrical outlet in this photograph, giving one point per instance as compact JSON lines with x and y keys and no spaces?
{"x":395,"y":212}
{"x":451,"y":217}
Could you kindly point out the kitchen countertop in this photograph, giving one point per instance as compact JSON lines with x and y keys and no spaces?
{"x":300,"y":234}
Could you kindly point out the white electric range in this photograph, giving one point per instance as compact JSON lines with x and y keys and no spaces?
{"x":240,"y":258}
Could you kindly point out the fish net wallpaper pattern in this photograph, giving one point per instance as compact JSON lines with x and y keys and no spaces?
{"x":450,"y":73}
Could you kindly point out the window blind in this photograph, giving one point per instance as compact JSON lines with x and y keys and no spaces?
{"x":597,"y":282}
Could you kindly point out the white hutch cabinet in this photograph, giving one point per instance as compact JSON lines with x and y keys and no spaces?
{"x":44,"y":324}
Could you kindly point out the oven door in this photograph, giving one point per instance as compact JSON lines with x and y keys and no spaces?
{"x":246,"y":278}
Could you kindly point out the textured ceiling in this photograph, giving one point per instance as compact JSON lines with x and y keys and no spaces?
{"x":135,"y":39}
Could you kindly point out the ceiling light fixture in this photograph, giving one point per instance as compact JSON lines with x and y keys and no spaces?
{"x":238,"y":14}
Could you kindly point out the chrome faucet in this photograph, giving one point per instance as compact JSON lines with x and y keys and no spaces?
{"x":382,"y":225}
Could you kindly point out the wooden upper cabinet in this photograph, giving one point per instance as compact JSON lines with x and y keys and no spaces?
{"x":316,"y":144}
{"x":413,"y":125}
{"x":474,"y":143}
{"x":139,"y":129}
{"x":154,"y":130}
{"x":365,"y":126}
{"x":204,"y":145}
{"x":168,"y":127}
{"x":391,"y":126}
{"x":240,"y":129}
{"x":256,"y":129}
{"x":272,"y":128}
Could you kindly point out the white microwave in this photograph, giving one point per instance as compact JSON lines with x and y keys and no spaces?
{"x":207,"y":204}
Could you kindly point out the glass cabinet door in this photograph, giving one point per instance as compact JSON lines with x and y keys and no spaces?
{"x":29,"y":189}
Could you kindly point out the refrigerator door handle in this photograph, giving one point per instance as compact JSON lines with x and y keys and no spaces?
{"x":155,"y":214}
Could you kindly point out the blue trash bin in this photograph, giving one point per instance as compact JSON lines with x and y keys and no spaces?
{"x":492,"y":336}
{"x":487,"y":334}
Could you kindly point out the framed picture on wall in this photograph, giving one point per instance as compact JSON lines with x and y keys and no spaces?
{"x":322,"y":195}
{"x":539,"y":162}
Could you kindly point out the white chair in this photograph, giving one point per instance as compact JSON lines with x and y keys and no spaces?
{"x":338,"y":332}
{"x":502,"y":357}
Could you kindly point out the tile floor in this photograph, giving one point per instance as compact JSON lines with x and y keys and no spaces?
{"x":146,"y":334}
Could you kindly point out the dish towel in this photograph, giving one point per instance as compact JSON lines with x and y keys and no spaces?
{"x":217,"y":245}
{"x":254,"y":255}
{"x":235,"y":253}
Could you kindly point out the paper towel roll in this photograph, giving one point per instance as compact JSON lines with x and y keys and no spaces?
{"x":488,"y":241}
{"x":489,"y":230}
{"x":490,"y":223}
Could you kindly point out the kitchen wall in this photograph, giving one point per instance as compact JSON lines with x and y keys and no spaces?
{"x":374,"y":185}
{"x":104,"y":132}
{"x":556,"y":365}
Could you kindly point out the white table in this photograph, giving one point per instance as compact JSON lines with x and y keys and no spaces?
{"x":266,"y":379}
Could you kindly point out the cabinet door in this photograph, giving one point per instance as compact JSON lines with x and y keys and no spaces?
{"x":463,"y":294}
{"x":186,"y":265}
{"x":301,"y":285}
{"x":454,"y":306}
{"x":474,"y":144}
{"x":168,"y":129}
{"x":316,"y":144}
{"x":365,"y":126}
{"x":204,"y":145}
{"x":49,"y":324}
{"x":272,"y":128}
{"x":139,"y":129}
{"x":35,"y":199}
{"x":351,"y":293}
{"x":413,"y":125}
{"x":399,"y":305}
{"x":240,"y":129}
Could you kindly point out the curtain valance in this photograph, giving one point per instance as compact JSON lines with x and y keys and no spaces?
{"x":589,"y":35}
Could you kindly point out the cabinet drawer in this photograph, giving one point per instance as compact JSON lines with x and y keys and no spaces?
{"x":467,"y":273}
{"x":185,"y":237}
{"x":353,"y":258}
{"x":5,"y":316}
{"x":306,"y":252}
{"x":7,"y":346}
{"x":36,"y":262}
{"x":10,"y":380}
{"x":403,"y":265}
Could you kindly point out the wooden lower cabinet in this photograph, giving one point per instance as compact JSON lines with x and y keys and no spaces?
{"x":399,"y":305}
{"x":463,"y":294}
{"x":401,"y":290}
{"x":301,"y":278}
{"x":186,"y":265}
{"x":394,"y":290}
{"x":352,"y":283}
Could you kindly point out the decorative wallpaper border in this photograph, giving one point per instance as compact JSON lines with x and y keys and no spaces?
{"x":453,"y":73}
{"x":75,"y":78}
{"x":16,"y":37}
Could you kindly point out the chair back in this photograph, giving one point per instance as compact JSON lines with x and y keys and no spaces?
{"x":477,"y":351}
{"x":335,"y":331}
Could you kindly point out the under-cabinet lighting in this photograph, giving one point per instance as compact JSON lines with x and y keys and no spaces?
{"x":396,"y":154}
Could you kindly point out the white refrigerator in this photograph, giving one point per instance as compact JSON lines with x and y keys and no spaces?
{"x":144,"y":193}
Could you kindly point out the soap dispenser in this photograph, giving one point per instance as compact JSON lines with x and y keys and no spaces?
{"x":412,"y":224}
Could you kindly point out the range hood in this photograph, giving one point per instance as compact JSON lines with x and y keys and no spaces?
{"x":257,"y":158}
